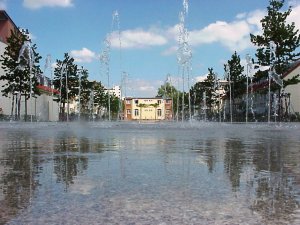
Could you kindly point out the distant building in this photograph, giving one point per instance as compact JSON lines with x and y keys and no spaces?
{"x":156,"y":108}
{"x":115,"y":90}
{"x":42,"y":107}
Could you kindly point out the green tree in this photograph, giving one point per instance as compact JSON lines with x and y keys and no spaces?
{"x":19,"y":70}
{"x":169,"y":91}
{"x":85,"y":90}
{"x":66,"y":80}
{"x":114,"y":105}
{"x":236,"y":78}
{"x":284,"y":35}
{"x":207,"y":86}
{"x":100,"y":98}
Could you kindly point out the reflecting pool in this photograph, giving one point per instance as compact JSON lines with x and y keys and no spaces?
{"x":163,"y":173}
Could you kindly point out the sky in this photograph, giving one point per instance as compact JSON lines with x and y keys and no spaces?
{"x":144,"y":36}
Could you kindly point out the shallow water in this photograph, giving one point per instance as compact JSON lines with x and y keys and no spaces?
{"x":163,"y":173}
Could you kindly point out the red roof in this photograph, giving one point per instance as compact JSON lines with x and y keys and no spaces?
{"x":265,"y":83}
{"x":47,"y":89}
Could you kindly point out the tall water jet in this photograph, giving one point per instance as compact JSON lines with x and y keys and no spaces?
{"x":79,"y":94}
{"x":105,"y":55}
{"x":184,"y":54}
{"x":217,"y":89}
{"x":62,"y":71}
{"x":252,"y":69}
{"x":228,"y":77}
{"x":249,"y":67}
{"x":272,"y":75}
{"x":275,"y":106}
{"x":115,"y":27}
{"x":204,"y":106}
{"x":49,"y":66}
{"x":104,"y":59}
{"x":27,"y":54}
{"x":91,"y":105}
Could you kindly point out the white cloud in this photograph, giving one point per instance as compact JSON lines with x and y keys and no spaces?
{"x":36,"y":4}
{"x":170,"y":51}
{"x":241,"y":15}
{"x":295,"y":15}
{"x":137,"y":38}
{"x":234,"y":35}
{"x":83,"y":55}
{"x":201,"y":78}
{"x":293,"y":2}
{"x":143,"y":88}
{"x":3,"y":4}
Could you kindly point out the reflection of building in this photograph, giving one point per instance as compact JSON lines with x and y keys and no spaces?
{"x":41,"y":107}
{"x":156,"y":108}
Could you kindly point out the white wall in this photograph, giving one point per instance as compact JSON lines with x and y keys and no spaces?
{"x":294,"y":90}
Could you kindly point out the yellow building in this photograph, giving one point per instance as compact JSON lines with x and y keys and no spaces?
{"x":156,"y":108}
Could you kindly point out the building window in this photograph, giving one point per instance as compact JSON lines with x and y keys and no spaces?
{"x":128,"y":102}
{"x":136,"y":102}
{"x":136,"y":112}
{"x":159,"y":101}
{"x":159,"y":112}
{"x":168,"y":101}
{"x":128,"y":111}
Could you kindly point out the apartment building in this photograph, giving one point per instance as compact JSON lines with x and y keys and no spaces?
{"x":115,"y":90}
{"x":156,"y":108}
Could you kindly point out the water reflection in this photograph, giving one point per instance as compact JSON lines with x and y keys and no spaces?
{"x":234,"y":161}
{"x":275,"y":181}
{"x":69,"y":161}
{"x":19,"y":169}
{"x":149,"y":175}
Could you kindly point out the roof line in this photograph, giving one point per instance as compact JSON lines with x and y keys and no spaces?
{"x":8,"y":17}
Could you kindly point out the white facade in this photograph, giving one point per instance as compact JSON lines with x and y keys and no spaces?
{"x":294,"y":90}
{"x":115,"y":90}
